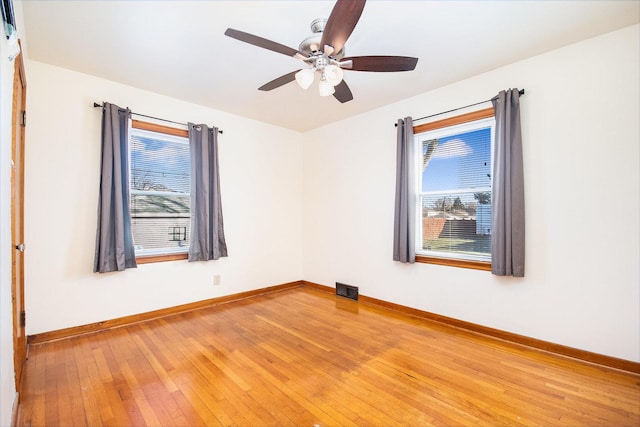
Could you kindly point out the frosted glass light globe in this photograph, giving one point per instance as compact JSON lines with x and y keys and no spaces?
{"x":325,"y":88}
{"x":305,"y":78}
{"x":333,"y":74}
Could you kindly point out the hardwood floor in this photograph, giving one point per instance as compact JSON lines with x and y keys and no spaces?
{"x":303,"y":357}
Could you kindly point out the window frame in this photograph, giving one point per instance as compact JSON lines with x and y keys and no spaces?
{"x":183,"y":133}
{"x":436,"y":125}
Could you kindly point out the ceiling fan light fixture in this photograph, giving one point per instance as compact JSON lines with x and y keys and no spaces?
{"x":325,"y":88}
{"x":333,"y":74}
{"x":305,"y":77}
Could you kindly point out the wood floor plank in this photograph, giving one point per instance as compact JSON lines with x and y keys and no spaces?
{"x":301,"y":357}
{"x":278,"y":390}
{"x":153,"y":361}
{"x":90,"y":412}
{"x":196,"y":405}
{"x":96,"y":402}
{"x":195,"y":415}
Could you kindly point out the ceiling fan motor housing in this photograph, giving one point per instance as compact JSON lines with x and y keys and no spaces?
{"x":311,"y":45}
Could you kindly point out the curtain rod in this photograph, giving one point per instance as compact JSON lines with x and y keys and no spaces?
{"x":96,"y":105}
{"x":521,"y":92}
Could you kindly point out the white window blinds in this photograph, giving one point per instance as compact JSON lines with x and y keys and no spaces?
{"x":454,"y":215}
{"x":160,"y":192}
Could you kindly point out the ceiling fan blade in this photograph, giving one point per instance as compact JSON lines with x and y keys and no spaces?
{"x":263,"y":43}
{"x":381,"y":63}
{"x":341,"y":22}
{"x":280,"y":81}
{"x":343,"y":93}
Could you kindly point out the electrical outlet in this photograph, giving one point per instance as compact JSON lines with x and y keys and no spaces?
{"x":217,"y":280}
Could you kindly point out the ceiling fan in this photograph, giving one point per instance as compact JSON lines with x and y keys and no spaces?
{"x":323,"y":52}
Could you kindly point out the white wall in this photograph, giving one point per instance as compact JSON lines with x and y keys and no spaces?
{"x":261,"y":184}
{"x":581,"y":137}
{"x":318,"y":206}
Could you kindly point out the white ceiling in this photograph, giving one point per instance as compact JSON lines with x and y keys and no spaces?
{"x":178,"y":48}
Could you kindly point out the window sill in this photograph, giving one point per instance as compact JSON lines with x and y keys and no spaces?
{"x":462,"y":263}
{"x":160,"y":258}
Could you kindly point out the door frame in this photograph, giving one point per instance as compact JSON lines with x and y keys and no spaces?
{"x":17,"y":224}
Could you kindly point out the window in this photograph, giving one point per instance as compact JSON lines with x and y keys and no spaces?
{"x":159,"y":182}
{"x":453,"y":174}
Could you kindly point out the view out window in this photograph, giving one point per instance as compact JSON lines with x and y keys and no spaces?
{"x":160,"y":189}
{"x":454,"y":167}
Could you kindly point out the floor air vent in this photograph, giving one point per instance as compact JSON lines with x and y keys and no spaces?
{"x":347,"y":291}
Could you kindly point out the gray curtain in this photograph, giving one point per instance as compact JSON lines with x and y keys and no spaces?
{"x":114,"y":241}
{"x":404,"y":219}
{"x":207,"y":230}
{"x":507,"y":205}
